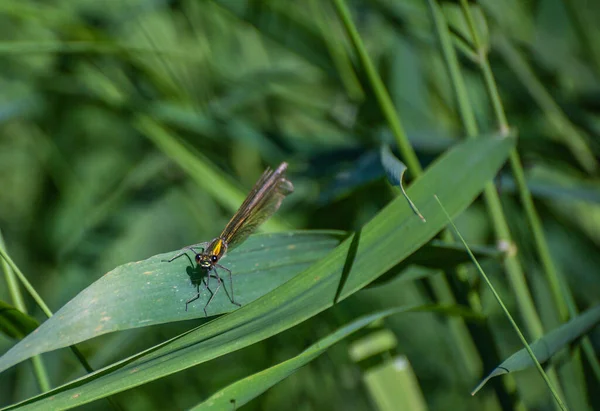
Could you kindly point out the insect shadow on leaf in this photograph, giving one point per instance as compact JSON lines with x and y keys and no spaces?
{"x":200,"y":276}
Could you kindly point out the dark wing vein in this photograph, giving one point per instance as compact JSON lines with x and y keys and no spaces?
{"x":262,"y":202}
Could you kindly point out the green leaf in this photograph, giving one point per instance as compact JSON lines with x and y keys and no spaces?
{"x":14,"y":323}
{"x":547,"y":346}
{"x":372,"y":344}
{"x":246,"y":389}
{"x":456,"y":178}
{"x":153,"y":291}
{"x":394,"y":386}
{"x":395,"y":169}
{"x":458,"y":24}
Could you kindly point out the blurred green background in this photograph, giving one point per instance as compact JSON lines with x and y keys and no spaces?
{"x":241,"y":85}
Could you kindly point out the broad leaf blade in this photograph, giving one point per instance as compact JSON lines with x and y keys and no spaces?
{"x":153,"y":291}
{"x":456,"y":178}
{"x":548,"y":345}
{"x":246,"y":389}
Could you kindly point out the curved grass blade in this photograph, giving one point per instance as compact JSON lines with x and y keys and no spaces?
{"x":457,"y":178}
{"x":152,"y":291}
{"x":246,"y":389}
{"x":547,"y":346}
{"x":14,"y":323}
{"x":394,"y":170}
{"x":528,"y":349}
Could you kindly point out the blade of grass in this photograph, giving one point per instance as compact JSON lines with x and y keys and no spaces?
{"x":337,"y":50}
{"x":395,"y":169}
{"x":383,"y":97}
{"x":548,"y":345}
{"x":483,"y":334}
{"x":388,"y":238}
{"x":14,"y":323}
{"x":513,"y":267}
{"x":504,"y":309}
{"x":563,"y":298}
{"x":41,"y":374}
{"x":246,"y":389}
{"x":154,"y":291}
{"x":566,"y":131}
{"x":439,"y":285}
{"x":38,"y":299}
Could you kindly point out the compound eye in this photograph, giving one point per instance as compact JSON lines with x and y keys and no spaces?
{"x":214,"y":258}
{"x":197,"y":258}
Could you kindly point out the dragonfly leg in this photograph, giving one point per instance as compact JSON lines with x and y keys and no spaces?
{"x":230,"y":286}
{"x":212,"y":294}
{"x":207,"y":280}
{"x":194,"y":298}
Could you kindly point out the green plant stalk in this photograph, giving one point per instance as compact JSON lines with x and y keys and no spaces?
{"x":456,"y":80}
{"x":11,"y":282}
{"x":465,"y":48}
{"x":506,"y":312}
{"x":517,"y":168}
{"x":563,"y":298}
{"x":384,"y":99}
{"x":464,"y":346}
{"x":439,"y":284}
{"x":40,"y":302}
{"x":26,"y":283}
{"x":514,"y":270}
{"x":38,"y":365}
{"x":513,"y":267}
{"x":586,"y":36}
{"x":337,"y":51}
{"x":515,"y":273}
{"x":566,"y":131}
{"x":39,"y":368}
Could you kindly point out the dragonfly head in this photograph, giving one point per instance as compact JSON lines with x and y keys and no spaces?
{"x":206,"y":261}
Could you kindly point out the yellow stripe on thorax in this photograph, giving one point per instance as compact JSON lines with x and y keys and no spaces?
{"x":217,"y":247}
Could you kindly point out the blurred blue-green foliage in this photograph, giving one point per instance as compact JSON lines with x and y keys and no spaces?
{"x":240,"y":85}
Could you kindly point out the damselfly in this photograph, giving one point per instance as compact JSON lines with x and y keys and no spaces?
{"x":262,"y":202}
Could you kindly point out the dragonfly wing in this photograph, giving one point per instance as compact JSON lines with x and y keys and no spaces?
{"x":263,"y":201}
